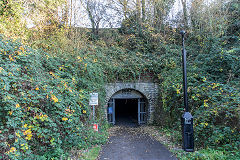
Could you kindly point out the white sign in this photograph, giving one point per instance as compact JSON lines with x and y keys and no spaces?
{"x":93,"y":99}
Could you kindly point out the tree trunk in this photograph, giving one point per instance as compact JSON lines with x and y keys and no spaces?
{"x":65,"y":14}
{"x":125,"y":8}
{"x":71,"y":12}
{"x":138,"y":8}
{"x":185,"y":16}
{"x":91,"y":19}
{"x":157,"y":15}
{"x":143,"y":10}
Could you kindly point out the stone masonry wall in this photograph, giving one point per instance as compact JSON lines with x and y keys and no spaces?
{"x":149,"y":90}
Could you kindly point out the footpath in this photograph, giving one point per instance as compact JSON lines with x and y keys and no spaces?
{"x":130,"y":143}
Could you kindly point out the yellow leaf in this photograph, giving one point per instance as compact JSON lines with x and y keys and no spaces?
{"x":1,"y":69}
{"x":27,"y":132}
{"x":12,"y":149}
{"x":204,"y":79}
{"x":178,"y":91}
{"x":54,"y":98}
{"x":17,"y":105}
{"x":10,"y":112}
{"x":18,"y":135}
{"x":28,"y":137}
{"x":64,"y":119}
{"x":10,"y":57}
{"x":30,"y":126}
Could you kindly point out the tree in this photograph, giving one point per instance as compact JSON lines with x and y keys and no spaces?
{"x":143,"y":10}
{"x":209,"y":18}
{"x":185,"y":15}
{"x":160,"y":9}
{"x":138,"y":11}
{"x":125,"y":10}
{"x":97,"y":13}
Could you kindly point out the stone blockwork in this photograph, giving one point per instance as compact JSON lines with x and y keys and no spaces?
{"x":148,"y":90}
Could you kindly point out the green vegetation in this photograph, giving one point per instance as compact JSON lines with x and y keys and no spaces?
{"x":174,"y":136}
{"x":48,"y":71}
{"x":209,"y":154}
{"x":92,"y":153}
{"x":44,"y":101}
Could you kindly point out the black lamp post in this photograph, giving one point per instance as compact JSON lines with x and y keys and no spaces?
{"x":186,"y":119}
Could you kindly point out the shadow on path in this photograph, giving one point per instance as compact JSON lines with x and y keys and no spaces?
{"x":128,"y":142}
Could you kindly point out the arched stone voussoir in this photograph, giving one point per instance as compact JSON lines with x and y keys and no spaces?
{"x":148,"y":90}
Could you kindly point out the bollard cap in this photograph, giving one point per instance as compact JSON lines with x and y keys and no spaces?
{"x":187,"y":115}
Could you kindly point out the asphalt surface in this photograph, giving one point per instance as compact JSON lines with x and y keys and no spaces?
{"x":128,"y":143}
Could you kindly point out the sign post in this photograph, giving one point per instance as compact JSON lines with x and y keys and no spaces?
{"x":94,"y":102}
{"x":187,"y":118}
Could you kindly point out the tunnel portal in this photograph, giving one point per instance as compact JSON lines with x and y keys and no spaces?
{"x":127,"y":106}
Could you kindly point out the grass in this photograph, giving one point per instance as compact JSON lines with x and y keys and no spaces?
{"x":91,"y":154}
{"x":207,"y":154}
{"x":174,"y":138}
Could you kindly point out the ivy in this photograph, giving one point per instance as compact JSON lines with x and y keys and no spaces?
{"x":44,"y":111}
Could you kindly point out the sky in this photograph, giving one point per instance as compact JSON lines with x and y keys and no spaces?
{"x":112,"y":16}
{"x":80,"y":19}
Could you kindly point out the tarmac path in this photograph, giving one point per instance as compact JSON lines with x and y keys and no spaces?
{"x":129,"y":143}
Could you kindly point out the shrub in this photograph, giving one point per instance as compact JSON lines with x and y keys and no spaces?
{"x":44,"y":108}
{"x":213,"y":92}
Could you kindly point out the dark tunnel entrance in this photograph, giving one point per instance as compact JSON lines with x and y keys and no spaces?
{"x":126,"y":111}
{"x":127,"y":106}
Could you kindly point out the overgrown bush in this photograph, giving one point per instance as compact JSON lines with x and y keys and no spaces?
{"x":214,"y":91}
{"x":44,"y":104}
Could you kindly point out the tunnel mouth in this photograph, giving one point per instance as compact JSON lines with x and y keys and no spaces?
{"x":127,"y":107}
{"x":126,"y":111}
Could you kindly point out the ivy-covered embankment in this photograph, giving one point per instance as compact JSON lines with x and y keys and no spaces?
{"x":44,"y":104}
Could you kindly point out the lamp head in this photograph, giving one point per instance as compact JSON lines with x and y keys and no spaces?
{"x":182,"y":32}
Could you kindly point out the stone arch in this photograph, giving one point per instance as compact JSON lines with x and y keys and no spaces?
{"x":148,"y":90}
